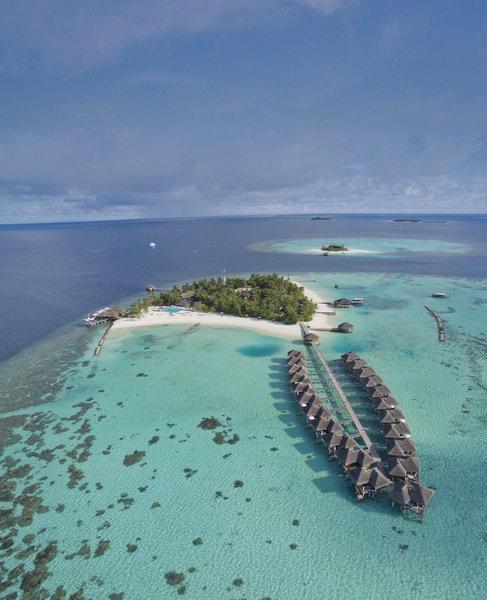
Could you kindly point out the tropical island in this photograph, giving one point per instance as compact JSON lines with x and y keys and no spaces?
{"x":260,"y":296}
{"x":321,"y":219}
{"x":334,"y":248}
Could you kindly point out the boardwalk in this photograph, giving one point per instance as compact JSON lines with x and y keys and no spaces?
{"x":343,"y":397}
{"x":99,"y":346}
{"x":439,"y":322}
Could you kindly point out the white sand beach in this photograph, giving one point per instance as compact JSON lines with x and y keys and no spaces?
{"x":155,"y":316}
{"x":344,"y":253}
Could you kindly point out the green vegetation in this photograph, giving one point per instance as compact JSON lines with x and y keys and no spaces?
{"x":334,"y":248}
{"x":263,"y":296}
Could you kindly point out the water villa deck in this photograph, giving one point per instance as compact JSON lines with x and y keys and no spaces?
{"x":362,"y":427}
{"x":439,"y":322}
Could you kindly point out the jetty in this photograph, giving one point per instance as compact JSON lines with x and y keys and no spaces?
{"x":354,"y":414}
{"x":101,"y":341}
{"x":439,"y":322}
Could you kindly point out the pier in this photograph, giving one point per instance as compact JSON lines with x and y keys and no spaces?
{"x":101,"y":341}
{"x":439,"y":322}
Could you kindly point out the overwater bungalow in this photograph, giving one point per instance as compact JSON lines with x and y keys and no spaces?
{"x":378,"y":392}
{"x":296,"y":360}
{"x":372,"y":382}
{"x":292,"y":353}
{"x":311,"y":338}
{"x":400,"y":494}
{"x":347,"y":457}
{"x":356,"y":364}
{"x":403,"y":427}
{"x":312,"y":408}
{"x":365,"y":459}
{"x":412,"y":466}
{"x":364,"y":373}
{"x":334,"y":426}
{"x":293,"y":369}
{"x":398,"y":415}
{"x":301,"y":387}
{"x":360,"y":478}
{"x":396,"y":469}
{"x":297,"y":377}
{"x":103,"y":316}
{"x":345,"y":327}
{"x":420,"y":497}
{"x":332,"y":440}
{"x":321,"y":423}
{"x":349,"y":357}
{"x":303,"y":393}
{"x":400,"y":448}
{"x":392,"y":431}
{"x":386,"y":416}
{"x":378,"y":480}
{"x":383,"y":403}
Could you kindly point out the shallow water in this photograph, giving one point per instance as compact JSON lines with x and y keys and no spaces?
{"x":149,"y":390}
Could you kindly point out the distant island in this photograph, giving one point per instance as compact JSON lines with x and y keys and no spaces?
{"x":334,"y":248}
{"x":262,"y":296}
{"x":321,"y":219}
{"x":416,"y":221}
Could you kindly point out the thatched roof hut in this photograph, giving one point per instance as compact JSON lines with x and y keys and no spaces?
{"x":386,"y":416}
{"x":395,"y":468}
{"x":334,"y":427}
{"x":420,"y":494}
{"x":332,"y":440}
{"x":346,"y":456}
{"x":187,"y":298}
{"x":378,"y":480}
{"x":349,"y":357}
{"x":321,"y":423}
{"x":400,"y":447}
{"x":347,"y":442}
{"x":360,"y":476}
{"x":378,"y":392}
{"x":293,"y":353}
{"x":312,"y":408}
{"x":403,"y":427}
{"x":400,"y":494}
{"x":411,"y":464}
{"x":398,"y":414}
{"x":365,"y":459}
{"x":383,"y":403}
{"x":365,"y":373}
{"x":345,"y":327}
{"x":311,"y":338}
{"x":371,"y":382}
{"x":296,"y":360}
{"x":357,"y":364}
{"x":391,"y":431}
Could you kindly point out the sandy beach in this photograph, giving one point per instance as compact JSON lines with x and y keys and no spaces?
{"x":155,"y":316}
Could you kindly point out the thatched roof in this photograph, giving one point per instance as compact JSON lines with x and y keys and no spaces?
{"x":400,"y":493}
{"x":334,"y":427}
{"x":394,"y":448}
{"x":396,"y":468}
{"x":386,"y":416}
{"x":345,"y":327}
{"x":405,"y":446}
{"x":360,"y":476}
{"x":365,"y":459}
{"x":298,"y":376}
{"x":378,"y":392}
{"x":403,"y":427}
{"x":371,"y":382}
{"x":312,"y":408}
{"x":378,"y":480}
{"x":301,"y":394}
{"x":411,"y":464}
{"x":420,"y":494}
{"x":349,"y":357}
{"x":357,"y":364}
{"x":365,"y":373}
{"x":322,"y":422}
{"x":293,"y":352}
{"x":346,"y":456}
{"x":332,"y":440}
{"x":391,"y":431}
{"x":347,"y":442}
{"x":311,"y":338}
{"x":341,"y":302}
{"x":397,"y":414}
{"x":296,"y":360}
{"x":383,"y":402}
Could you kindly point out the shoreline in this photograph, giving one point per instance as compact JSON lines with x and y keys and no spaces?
{"x":155,"y":317}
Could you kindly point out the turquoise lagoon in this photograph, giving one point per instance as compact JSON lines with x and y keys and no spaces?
{"x":371,"y":247}
{"x":125,"y":487}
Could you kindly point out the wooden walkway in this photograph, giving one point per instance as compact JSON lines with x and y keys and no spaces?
{"x":99,"y":346}
{"x":439,"y":322}
{"x":343,"y":397}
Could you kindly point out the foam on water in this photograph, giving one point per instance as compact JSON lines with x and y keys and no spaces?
{"x":123,"y":467}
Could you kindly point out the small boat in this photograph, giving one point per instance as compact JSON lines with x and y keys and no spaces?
{"x":358,"y":301}
{"x":439,"y":295}
{"x":152,"y":244}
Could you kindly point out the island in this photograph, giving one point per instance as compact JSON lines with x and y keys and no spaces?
{"x":260,"y":296}
{"x":334,"y":248}
{"x":321,"y":219}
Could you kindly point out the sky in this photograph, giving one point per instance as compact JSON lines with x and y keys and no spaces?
{"x":153,"y":109}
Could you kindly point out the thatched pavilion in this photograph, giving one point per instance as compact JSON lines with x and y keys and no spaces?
{"x":347,"y":457}
{"x":378,"y":480}
{"x":395,"y":468}
{"x":311,"y":338}
{"x":349,"y":357}
{"x":345,"y":327}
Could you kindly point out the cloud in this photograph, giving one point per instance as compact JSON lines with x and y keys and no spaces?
{"x":338,"y":195}
{"x":81,"y":35}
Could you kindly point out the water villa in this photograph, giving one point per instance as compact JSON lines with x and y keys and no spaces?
{"x":104,"y":316}
{"x":391,"y":466}
{"x":343,"y":303}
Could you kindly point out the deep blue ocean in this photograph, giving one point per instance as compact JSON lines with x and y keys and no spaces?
{"x":53,"y":274}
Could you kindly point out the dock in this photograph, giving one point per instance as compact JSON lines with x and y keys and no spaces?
{"x":439,"y":322}
{"x":101,"y":341}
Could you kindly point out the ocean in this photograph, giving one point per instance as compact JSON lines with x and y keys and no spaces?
{"x":110,"y":489}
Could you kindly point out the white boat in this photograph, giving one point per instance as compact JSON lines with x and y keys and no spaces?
{"x":358,"y":301}
{"x":439,"y":295}
{"x":152,"y":244}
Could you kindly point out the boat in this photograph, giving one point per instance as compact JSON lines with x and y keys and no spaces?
{"x":358,"y":301}
{"x":439,"y":295}
{"x":152,"y":244}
